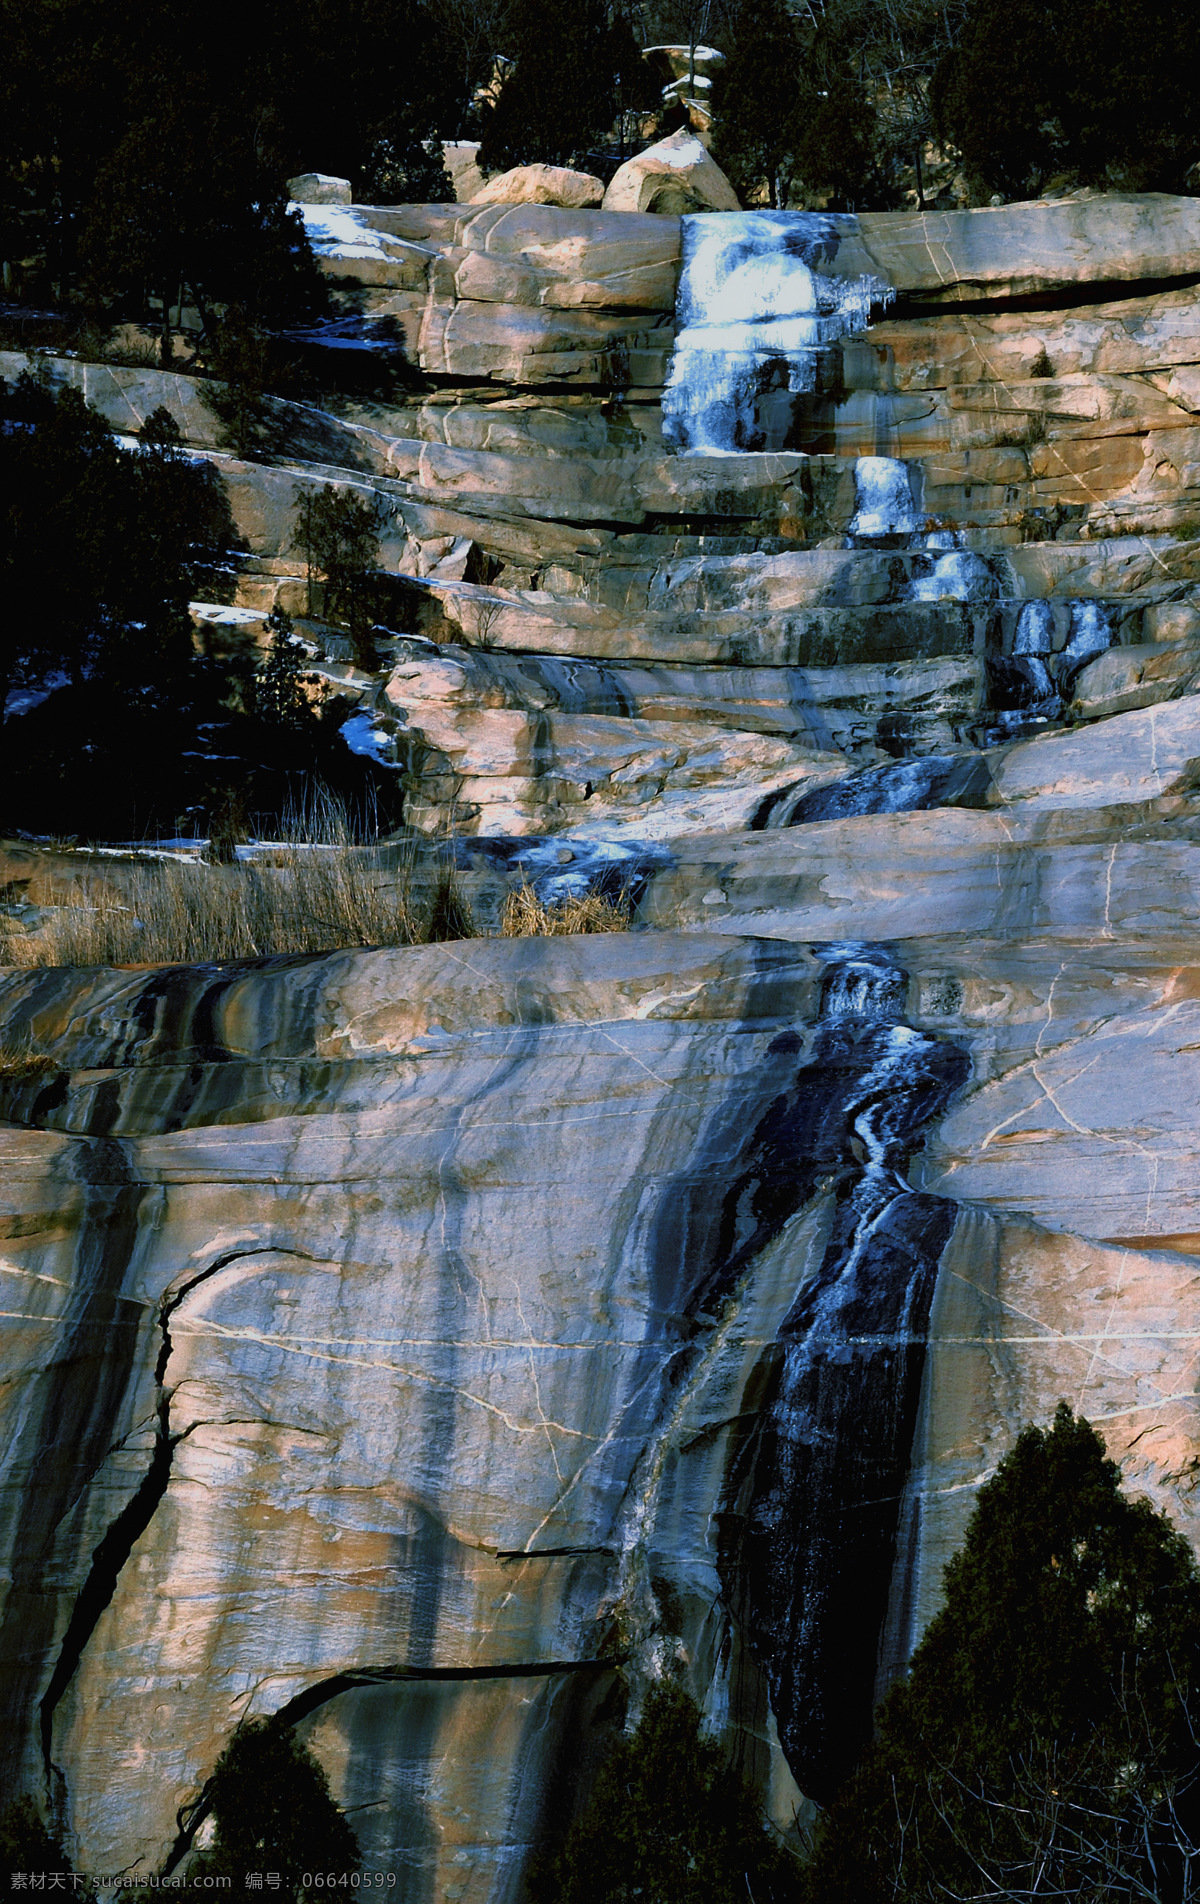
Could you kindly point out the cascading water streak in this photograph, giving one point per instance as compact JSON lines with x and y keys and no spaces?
{"x":1035,"y":629}
{"x":1090,"y":636}
{"x":836,"y":1446}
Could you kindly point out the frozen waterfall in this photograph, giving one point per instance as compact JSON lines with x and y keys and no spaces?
{"x":828,"y":1547}
{"x":886,"y":504}
{"x":757,"y":314}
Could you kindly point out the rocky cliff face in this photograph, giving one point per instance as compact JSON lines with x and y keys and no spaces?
{"x":409,"y":1340}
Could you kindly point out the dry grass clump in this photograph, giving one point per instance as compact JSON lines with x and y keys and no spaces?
{"x":179,"y":913}
{"x":317,"y":891}
{"x":527,"y":916}
{"x":19,"y":1061}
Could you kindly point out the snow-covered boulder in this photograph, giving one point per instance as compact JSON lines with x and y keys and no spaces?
{"x":674,"y":176}
{"x":319,"y":188}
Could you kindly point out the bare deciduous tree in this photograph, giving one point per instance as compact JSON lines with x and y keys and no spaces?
{"x":1103,"y":1824}
{"x":475,"y":33}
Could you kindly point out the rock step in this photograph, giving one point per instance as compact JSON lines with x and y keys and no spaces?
{"x":587,"y":467}
{"x":518,"y":743}
{"x":1077,"y":834}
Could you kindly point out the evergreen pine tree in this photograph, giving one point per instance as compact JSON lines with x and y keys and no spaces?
{"x":239,"y":352}
{"x":669,"y":1822}
{"x":389,"y":92}
{"x":274,"y":1813}
{"x":25,"y":1843}
{"x":278,"y":696}
{"x":1086,"y":92}
{"x":761,"y":102}
{"x":338,"y":534}
{"x":560,"y":99}
{"x":1047,"y":1723}
{"x":127,"y":537}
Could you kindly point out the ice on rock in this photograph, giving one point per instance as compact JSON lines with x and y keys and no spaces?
{"x":613,"y":864}
{"x":756,"y":309}
{"x":886,"y":504}
{"x":1035,"y":630}
{"x":1090,"y":634}
{"x":957,"y":576}
{"x":1041,"y":687}
{"x":861,"y":981}
{"x":829,"y":1482}
{"x":335,"y":231}
{"x":363,"y":735}
{"x":899,"y":786}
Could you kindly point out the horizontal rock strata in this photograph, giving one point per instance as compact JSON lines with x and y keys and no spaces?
{"x":411,"y":1341}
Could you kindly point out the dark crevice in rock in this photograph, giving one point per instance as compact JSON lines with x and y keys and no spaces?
{"x":75,"y":1415}
{"x":903,"y":786}
{"x":115,"y":1546}
{"x":1067,"y":297}
{"x":108,"y":1558}
{"x":550,"y":1553}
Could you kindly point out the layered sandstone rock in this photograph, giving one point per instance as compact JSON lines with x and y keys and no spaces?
{"x":460,"y":158}
{"x":417,"y":1343}
{"x":319,"y":188}
{"x":407,"y":1340}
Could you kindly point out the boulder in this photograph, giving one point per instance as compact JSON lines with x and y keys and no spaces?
{"x":459,"y":158}
{"x":1126,"y":678}
{"x":514,"y":343}
{"x":674,"y":176}
{"x":681,"y":62}
{"x":687,"y":74}
{"x":542,"y":254}
{"x":1033,"y":877}
{"x":319,"y":188}
{"x":541,"y":185}
{"x":1172,"y":622}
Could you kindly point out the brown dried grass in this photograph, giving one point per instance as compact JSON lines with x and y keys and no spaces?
{"x":527,"y":916}
{"x":316,"y":891}
{"x":169,"y":913}
{"x":19,"y":1061}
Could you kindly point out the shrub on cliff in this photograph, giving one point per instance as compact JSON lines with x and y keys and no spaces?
{"x":144,"y":150}
{"x":828,"y":106}
{"x":1088,"y":92}
{"x":25,"y":1844}
{"x":1044,"y":1742}
{"x":669,"y":1822}
{"x":274,"y":1813}
{"x":100,"y":550}
{"x":117,"y":727}
{"x":338,"y":534}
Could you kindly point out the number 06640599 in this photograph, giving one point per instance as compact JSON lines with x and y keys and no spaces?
{"x":347,"y":1880}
